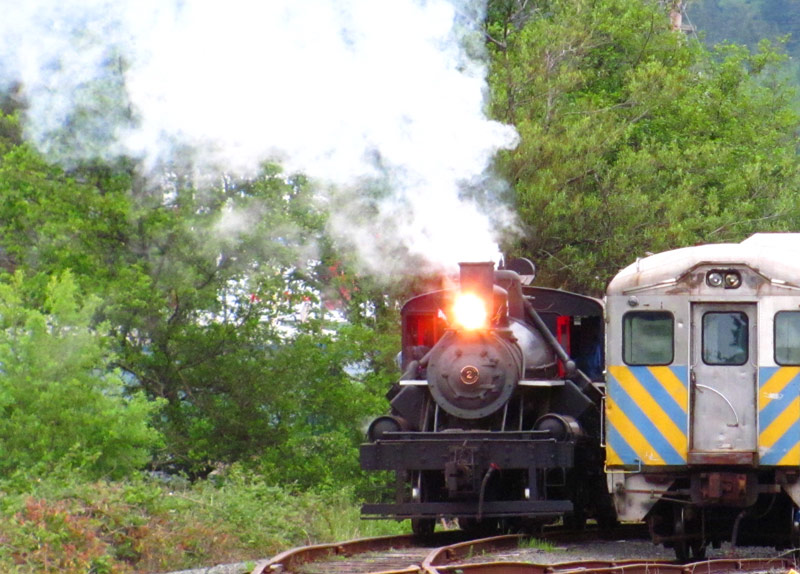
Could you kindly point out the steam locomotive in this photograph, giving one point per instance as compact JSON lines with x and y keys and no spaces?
{"x":495,"y":420}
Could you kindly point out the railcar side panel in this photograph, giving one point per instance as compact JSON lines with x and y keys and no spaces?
{"x":779,"y":416}
{"x":646,"y":415}
{"x":647,"y":383}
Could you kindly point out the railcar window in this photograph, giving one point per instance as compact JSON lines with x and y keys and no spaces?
{"x":647,"y":338}
{"x":787,"y":338}
{"x":725,"y":338}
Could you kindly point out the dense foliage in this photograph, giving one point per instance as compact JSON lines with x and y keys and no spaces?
{"x":150,"y":525}
{"x":222,"y":300}
{"x":62,"y":402}
{"x":634,"y":139}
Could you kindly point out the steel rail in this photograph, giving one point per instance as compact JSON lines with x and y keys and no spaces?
{"x":582,"y":567}
{"x":290,"y":560}
{"x":460,"y":550}
{"x":450,"y":558}
{"x":718,"y":566}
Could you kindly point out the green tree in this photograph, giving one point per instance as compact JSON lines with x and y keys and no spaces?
{"x":330,"y":391}
{"x":62,"y":402}
{"x":634,"y":139}
{"x":229,"y":283}
{"x":213,"y":295}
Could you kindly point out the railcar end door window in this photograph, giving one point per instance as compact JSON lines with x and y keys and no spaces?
{"x":725,"y":338}
{"x":648,"y":338}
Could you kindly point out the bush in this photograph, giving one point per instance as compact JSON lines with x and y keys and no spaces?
{"x":61,"y":401}
{"x":156,"y":524}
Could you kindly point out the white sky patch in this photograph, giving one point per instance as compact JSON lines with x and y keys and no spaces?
{"x":342,"y":90}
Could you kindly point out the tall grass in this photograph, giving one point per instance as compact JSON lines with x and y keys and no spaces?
{"x":146,"y":524}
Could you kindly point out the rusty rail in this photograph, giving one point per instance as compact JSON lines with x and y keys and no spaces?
{"x":621,"y":567}
{"x":458,"y":551}
{"x":290,"y":560}
{"x":449,"y":558}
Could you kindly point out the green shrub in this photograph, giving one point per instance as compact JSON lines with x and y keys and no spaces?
{"x":61,"y":401}
{"x":156,"y":524}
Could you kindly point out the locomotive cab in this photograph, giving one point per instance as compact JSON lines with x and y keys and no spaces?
{"x":493,"y":416}
{"x":702,"y":408}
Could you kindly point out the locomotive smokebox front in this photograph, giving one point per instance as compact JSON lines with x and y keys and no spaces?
{"x":472,"y":374}
{"x":474,"y":368}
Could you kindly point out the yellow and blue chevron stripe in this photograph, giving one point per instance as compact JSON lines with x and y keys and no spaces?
{"x":646,"y":415}
{"x":778,"y":414}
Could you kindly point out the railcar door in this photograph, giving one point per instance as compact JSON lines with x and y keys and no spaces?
{"x":723,"y":384}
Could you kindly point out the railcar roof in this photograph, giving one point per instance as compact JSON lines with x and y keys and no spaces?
{"x":775,"y":255}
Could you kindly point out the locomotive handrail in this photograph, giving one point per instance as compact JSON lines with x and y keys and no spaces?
{"x":569,"y":364}
{"x":542,"y":383}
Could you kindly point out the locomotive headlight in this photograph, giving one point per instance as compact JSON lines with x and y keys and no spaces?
{"x":714,"y":279}
{"x":470,"y":311}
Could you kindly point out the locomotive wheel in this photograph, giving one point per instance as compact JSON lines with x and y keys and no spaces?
{"x":607,"y":518}
{"x":489,"y":526}
{"x":575,"y":521}
{"x":486,"y":527}
{"x":423,"y":526}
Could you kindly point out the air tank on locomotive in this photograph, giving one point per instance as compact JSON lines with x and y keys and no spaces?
{"x":495,"y":419}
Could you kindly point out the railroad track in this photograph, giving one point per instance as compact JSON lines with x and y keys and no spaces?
{"x":455,"y":553}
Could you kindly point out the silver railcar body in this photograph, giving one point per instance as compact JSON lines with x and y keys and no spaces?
{"x":702,"y":408}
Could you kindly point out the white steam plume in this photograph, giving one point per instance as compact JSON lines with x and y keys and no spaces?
{"x":350,"y":92}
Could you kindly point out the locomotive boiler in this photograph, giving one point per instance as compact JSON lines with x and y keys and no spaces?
{"x":702,"y":405}
{"x":495,"y":420}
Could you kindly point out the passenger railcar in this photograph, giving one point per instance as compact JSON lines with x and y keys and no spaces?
{"x":495,"y":423}
{"x":702,"y":411}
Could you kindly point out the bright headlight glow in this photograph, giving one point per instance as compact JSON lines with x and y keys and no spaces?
{"x":470,"y":311}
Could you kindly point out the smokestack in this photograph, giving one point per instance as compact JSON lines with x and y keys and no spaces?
{"x":478,"y":278}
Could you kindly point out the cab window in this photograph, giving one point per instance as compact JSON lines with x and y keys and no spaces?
{"x":787,"y":338}
{"x":647,"y":338}
{"x":725,"y":338}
